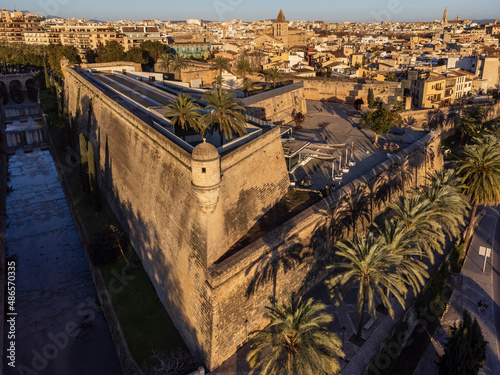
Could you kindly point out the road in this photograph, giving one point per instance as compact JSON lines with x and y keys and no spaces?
{"x":471,"y":286}
{"x":53,"y":324}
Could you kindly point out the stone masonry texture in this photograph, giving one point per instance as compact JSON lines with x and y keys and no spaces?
{"x":147,"y":180}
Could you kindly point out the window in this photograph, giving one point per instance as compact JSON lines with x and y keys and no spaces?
{"x":203,"y":170}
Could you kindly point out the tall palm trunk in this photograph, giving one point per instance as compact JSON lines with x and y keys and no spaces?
{"x":362,"y":315}
{"x":371,"y":207}
{"x":468,"y":233}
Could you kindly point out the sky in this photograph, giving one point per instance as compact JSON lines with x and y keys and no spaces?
{"x":250,"y":10}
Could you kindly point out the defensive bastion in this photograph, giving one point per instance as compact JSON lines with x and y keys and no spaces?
{"x":183,"y":211}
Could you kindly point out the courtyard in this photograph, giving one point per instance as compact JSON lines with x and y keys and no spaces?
{"x":327,"y":125}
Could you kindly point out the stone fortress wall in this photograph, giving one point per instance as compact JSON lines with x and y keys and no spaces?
{"x":304,"y":236}
{"x":181,"y":218}
{"x":147,"y":180}
{"x":422,"y":118}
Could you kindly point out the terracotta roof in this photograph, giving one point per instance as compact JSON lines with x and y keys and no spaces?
{"x":281,"y":17}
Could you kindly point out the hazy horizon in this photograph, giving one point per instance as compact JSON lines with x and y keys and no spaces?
{"x":226,"y":10}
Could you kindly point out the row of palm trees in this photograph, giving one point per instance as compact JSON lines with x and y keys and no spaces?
{"x":390,"y":259}
{"x":176,"y":62}
{"x":224,"y":114}
{"x":384,"y":265}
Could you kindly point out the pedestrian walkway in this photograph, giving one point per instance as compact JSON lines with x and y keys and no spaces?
{"x":471,"y":286}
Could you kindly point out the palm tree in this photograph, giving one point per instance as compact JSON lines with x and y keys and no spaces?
{"x":243,"y":68}
{"x":405,"y":174}
{"x":296,"y":342}
{"x":478,"y":113}
{"x":415,"y":215}
{"x":448,"y":204}
{"x":397,"y":241}
{"x":356,"y":209}
{"x":377,"y":192}
{"x":164,"y":61}
{"x":370,"y":266}
{"x":220,"y":64}
{"x":248,"y":85}
{"x":466,"y":127}
{"x":495,"y":129}
{"x":178,"y":63}
{"x":225,"y":114}
{"x":218,"y":81}
{"x":184,"y":113}
{"x":273,"y":76}
{"x":480,"y":173}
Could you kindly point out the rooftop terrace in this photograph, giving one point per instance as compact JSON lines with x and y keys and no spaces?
{"x":146,"y":100}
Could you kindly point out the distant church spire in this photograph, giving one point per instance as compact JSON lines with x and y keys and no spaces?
{"x":445,"y":16}
{"x":281,"y":17}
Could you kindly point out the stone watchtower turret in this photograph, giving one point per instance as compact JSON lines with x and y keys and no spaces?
{"x":205,"y":175}
{"x":64,"y":64}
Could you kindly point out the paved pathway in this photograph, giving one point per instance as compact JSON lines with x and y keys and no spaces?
{"x":471,"y":286}
{"x":59,"y":329}
{"x":340,"y":128}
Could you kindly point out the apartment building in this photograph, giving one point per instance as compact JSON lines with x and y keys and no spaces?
{"x":87,"y":36}
{"x":192,"y":49}
{"x":133,"y":36}
{"x":433,"y":90}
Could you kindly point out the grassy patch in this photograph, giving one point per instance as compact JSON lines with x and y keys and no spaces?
{"x":144,"y":321}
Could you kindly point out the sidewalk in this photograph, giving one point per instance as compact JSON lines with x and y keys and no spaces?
{"x":471,"y":286}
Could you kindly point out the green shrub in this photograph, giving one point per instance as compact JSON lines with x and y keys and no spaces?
{"x":325,"y":192}
{"x":455,"y":258}
{"x":465,"y":350}
{"x":433,"y":289}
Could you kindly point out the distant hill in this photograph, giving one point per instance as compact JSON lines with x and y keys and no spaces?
{"x":485,"y":21}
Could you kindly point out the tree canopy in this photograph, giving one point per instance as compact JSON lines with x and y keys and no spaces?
{"x":380,"y":121}
{"x":297,"y":341}
{"x":465,"y":350}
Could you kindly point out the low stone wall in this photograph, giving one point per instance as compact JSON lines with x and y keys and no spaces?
{"x":342,"y":91}
{"x":278,"y":105}
{"x":426,"y":117}
{"x":137,"y":67}
{"x":127,"y":362}
{"x":306,"y":235}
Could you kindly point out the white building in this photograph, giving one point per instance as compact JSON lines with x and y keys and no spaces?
{"x":194,"y":21}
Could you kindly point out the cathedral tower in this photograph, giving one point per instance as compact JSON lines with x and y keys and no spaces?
{"x":280,"y":28}
{"x":444,"y":21}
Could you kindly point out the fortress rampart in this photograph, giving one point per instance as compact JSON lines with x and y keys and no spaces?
{"x":184,"y":211}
